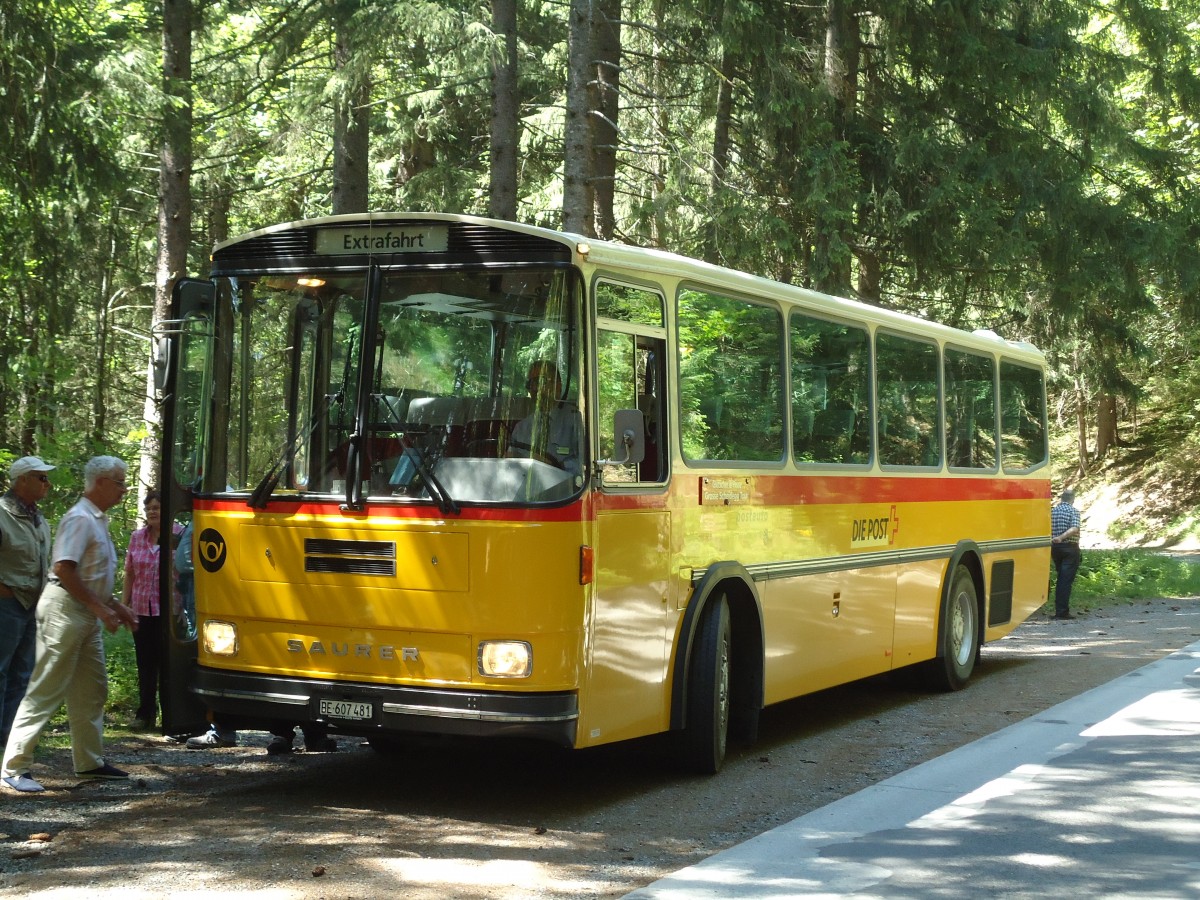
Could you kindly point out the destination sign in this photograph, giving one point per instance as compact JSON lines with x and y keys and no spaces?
{"x":377,"y":239}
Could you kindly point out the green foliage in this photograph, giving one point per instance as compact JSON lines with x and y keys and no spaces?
{"x":1107,"y":575}
{"x":1028,"y":168}
{"x":122,"y":676}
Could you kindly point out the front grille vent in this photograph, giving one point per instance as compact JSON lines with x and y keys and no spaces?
{"x":350,"y":557}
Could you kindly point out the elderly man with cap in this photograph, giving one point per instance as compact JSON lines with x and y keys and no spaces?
{"x":24,"y":565}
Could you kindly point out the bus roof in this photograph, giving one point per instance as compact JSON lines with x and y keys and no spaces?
{"x":685,"y":269}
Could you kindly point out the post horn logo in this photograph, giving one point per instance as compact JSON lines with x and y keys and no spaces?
{"x":212,"y":550}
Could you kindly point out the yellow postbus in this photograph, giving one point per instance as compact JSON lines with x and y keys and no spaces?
{"x":450,"y":475}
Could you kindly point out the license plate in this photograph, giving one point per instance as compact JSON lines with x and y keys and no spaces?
{"x":347,"y":709}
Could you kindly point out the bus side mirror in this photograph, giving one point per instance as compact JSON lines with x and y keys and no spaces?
{"x":160,"y":360}
{"x":629,"y":437}
{"x":190,"y":298}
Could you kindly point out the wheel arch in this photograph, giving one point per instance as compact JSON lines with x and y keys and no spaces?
{"x":968,"y":555}
{"x":731,"y":580}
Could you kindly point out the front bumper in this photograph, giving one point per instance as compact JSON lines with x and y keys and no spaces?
{"x":242,"y":699}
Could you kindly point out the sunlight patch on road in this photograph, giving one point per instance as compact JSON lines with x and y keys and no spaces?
{"x":502,"y":875}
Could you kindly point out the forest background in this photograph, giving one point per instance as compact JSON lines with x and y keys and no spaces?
{"x":1028,"y":167}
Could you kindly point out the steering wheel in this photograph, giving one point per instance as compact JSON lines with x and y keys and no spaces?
{"x":543,"y":457}
{"x":486,"y":448}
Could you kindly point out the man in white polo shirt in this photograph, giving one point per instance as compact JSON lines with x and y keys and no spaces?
{"x":70,"y":645}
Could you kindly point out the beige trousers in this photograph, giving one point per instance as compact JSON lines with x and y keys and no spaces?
{"x":70,"y":667}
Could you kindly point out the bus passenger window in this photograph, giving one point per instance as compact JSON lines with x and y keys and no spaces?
{"x":632,"y":375}
{"x":831,"y":384}
{"x":730,"y":378}
{"x":970,"y":410}
{"x":1023,"y":429}
{"x":907,"y":401}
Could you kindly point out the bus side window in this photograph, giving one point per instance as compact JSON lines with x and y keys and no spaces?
{"x":970,"y":409}
{"x":731,"y":379}
{"x":1023,"y":432}
{"x":632,"y":377}
{"x":907,"y":401}
{"x":631,"y":368}
{"x":652,"y":381}
{"x":830,"y":384}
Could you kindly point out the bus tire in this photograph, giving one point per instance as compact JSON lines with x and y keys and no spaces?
{"x":959,"y":635}
{"x":706,"y":733}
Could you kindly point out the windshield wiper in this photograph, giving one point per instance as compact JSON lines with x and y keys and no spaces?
{"x":446,"y":503}
{"x":266,"y":487}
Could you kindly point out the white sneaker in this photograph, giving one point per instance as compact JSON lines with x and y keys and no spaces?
{"x":209,"y":740}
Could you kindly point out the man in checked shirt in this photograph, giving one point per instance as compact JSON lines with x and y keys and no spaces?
{"x":1064,"y":550}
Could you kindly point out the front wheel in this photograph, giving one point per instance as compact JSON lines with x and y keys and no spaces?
{"x":706,"y":732}
{"x":959,"y":635}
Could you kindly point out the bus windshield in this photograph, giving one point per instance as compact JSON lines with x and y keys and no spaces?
{"x":468,"y":390}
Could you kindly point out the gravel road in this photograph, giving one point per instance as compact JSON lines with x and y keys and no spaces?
{"x":473,"y":820}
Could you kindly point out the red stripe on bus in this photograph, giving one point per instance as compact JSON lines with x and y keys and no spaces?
{"x":816,"y":490}
{"x":572,"y":512}
{"x":791,"y":491}
{"x":765,"y":490}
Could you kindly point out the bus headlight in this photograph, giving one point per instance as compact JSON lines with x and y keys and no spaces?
{"x":220,"y":638}
{"x":505,"y":659}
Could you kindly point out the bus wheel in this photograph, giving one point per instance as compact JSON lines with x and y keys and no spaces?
{"x":959,"y":635}
{"x":707,"y":730}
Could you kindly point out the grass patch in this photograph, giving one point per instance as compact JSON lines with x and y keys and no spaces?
{"x":1106,"y":575}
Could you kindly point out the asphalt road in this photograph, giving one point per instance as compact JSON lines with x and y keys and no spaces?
{"x":499,"y":820}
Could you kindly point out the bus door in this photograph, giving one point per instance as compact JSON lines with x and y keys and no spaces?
{"x":632,"y":615}
{"x":186,"y":369}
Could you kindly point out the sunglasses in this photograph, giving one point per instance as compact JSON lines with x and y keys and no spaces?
{"x":40,"y":476}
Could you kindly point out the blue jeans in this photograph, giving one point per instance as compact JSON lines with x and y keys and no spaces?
{"x":18,"y":647}
{"x":1066,"y":559}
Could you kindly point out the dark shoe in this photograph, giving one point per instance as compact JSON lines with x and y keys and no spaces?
{"x":279,"y":745}
{"x":23,"y":783}
{"x":105,"y":771}
{"x":320,"y":745}
{"x":208,"y":741}
{"x":1062,"y":616}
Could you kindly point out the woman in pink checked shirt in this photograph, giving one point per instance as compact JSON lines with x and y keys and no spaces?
{"x":141,"y":595}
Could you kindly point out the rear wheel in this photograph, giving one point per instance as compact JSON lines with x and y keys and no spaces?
{"x":707,"y":730}
{"x":959,"y":641}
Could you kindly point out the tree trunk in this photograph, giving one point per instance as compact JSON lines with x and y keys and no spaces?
{"x":1081,"y":424}
{"x":870,"y":266}
{"x":174,"y":202}
{"x":722,"y":149}
{"x":658,"y":164}
{"x":577,"y":152}
{"x":502,"y":195}
{"x":216,"y":223}
{"x":723,"y":123}
{"x":869,"y":277}
{"x":351,"y":122}
{"x":841,"y":81}
{"x":606,"y":94}
{"x":1106,"y":425}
